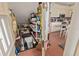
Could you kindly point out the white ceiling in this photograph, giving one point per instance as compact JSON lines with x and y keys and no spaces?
{"x":23,"y":9}
{"x":66,"y":3}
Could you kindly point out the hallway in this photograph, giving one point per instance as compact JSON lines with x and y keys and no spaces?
{"x":54,"y":49}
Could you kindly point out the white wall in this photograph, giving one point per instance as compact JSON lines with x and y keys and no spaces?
{"x":57,"y":9}
{"x":23,"y":9}
{"x":73,"y":35}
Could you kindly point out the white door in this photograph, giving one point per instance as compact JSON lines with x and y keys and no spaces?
{"x":45,"y":27}
{"x":6,"y":40}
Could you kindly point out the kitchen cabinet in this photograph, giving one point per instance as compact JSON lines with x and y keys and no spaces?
{"x":55,"y":26}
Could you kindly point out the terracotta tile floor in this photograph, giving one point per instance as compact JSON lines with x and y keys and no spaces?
{"x":33,"y":52}
{"x":54,"y":49}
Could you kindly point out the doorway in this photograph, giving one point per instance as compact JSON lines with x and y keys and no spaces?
{"x":26,"y":27}
{"x":59,"y":24}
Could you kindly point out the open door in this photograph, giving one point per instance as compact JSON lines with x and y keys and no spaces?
{"x":45,"y":28}
{"x":77,"y":50}
{"x":6,"y":39}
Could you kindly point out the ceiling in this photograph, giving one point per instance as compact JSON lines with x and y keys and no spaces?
{"x":66,"y":3}
{"x":23,"y":9}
